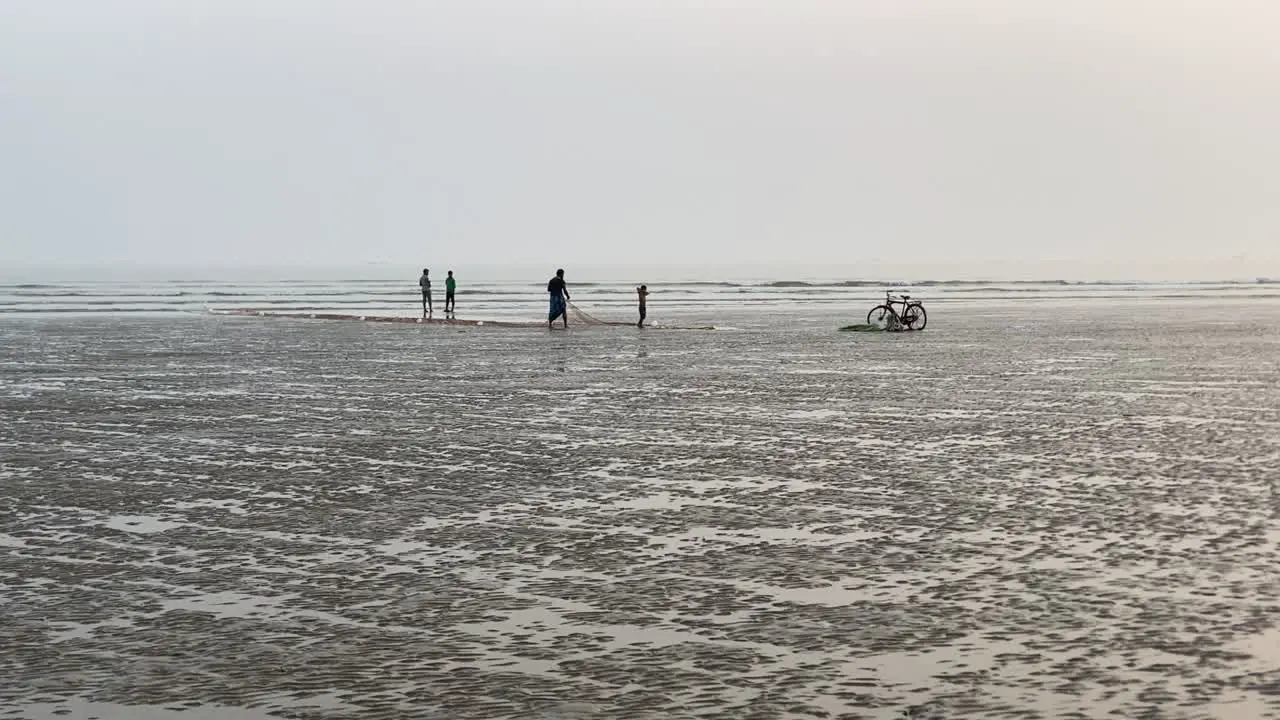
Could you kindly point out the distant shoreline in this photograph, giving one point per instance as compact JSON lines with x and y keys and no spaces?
{"x":836,"y":275}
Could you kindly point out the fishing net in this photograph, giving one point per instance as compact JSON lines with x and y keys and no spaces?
{"x":587,"y":318}
{"x":579,"y":315}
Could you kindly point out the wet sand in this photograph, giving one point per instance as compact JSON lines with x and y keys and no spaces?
{"x":1026,"y":511}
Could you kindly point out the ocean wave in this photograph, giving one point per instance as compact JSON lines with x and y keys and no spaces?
{"x":993,"y":289}
{"x":901,"y":283}
{"x":63,"y":309}
{"x":69,"y":293}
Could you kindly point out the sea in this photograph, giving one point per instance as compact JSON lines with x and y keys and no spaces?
{"x":1059,"y":500}
{"x":513,"y":293}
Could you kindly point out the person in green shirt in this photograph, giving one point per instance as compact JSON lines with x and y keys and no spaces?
{"x":450,"y":285}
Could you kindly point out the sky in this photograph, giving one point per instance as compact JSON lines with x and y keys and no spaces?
{"x":1089,"y":139}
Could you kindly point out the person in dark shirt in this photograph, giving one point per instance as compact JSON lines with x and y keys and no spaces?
{"x":559,"y":294}
{"x":642,"y":292}
{"x":424,"y":282}
{"x":450,"y":287}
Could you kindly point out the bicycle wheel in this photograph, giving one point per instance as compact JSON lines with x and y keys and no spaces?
{"x":914,"y":317}
{"x":879,"y":315}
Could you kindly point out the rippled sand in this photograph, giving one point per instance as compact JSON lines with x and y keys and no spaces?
{"x":1023,"y":512}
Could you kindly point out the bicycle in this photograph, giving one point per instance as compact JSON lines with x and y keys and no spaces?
{"x":912,"y":317}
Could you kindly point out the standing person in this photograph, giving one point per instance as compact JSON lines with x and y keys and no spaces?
{"x":450,"y":286}
{"x":559,"y":293}
{"x":424,"y":282}
{"x":642,"y":292}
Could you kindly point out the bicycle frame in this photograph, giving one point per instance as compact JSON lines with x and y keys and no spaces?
{"x":901,"y":300}
{"x":901,"y":312}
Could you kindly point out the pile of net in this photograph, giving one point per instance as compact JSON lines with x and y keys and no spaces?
{"x":889,"y":323}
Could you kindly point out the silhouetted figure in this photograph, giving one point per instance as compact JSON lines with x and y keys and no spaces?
{"x":642,"y":293}
{"x":424,"y":282}
{"x":450,"y":286}
{"x":559,"y":293}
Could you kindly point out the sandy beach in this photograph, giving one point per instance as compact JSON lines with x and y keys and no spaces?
{"x":1063,"y":509}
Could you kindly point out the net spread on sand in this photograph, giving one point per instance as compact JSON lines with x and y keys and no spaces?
{"x":579,"y":315}
{"x":587,"y":318}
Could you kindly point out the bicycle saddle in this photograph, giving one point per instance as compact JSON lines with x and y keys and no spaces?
{"x":906,"y":297}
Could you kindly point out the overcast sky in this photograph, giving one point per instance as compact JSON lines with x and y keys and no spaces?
{"x":1047,"y":137}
